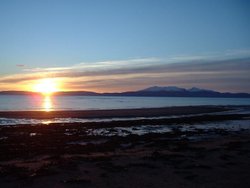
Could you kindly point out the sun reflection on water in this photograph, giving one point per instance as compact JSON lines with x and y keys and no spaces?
{"x":47,"y":103}
{"x":47,"y":122}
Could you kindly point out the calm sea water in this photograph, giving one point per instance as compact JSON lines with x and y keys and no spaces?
{"x":18,"y":102}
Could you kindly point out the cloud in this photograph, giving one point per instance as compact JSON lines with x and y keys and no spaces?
{"x":223,"y":74}
{"x":20,"y":65}
{"x":101,"y":65}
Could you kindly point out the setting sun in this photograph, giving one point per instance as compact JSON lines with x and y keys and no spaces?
{"x":46,"y":86}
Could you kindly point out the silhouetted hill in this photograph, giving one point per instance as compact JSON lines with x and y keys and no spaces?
{"x":17,"y":93}
{"x":155,"y":91}
{"x":64,"y":93}
{"x":173,"y":91}
{"x":78,"y":93}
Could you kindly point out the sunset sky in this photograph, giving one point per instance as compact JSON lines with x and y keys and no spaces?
{"x":108,"y":46}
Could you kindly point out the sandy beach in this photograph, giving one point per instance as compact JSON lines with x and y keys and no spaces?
{"x":128,"y":153}
{"x":142,"y":112}
{"x":124,"y":94}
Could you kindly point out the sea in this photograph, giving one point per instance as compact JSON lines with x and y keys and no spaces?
{"x":56,"y":103}
{"x":52,"y":103}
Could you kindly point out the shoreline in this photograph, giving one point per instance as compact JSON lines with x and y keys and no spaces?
{"x":185,"y":152}
{"x":117,"y":113}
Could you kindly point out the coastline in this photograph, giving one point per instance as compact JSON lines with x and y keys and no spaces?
{"x":174,"y":151}
{"x":140,"y":112}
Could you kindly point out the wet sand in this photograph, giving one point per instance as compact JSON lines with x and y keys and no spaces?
{"x":143,"y":112}
{"x":66,"y":155}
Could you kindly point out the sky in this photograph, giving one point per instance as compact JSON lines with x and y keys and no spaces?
{"x":123,"y":45}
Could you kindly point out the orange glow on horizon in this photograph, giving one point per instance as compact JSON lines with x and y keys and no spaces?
{"x":46,"y":86}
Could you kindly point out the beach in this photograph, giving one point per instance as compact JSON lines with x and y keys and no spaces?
{"x":202,"y":146}
{"x":124,"y":94}
{"x":140,"y":112}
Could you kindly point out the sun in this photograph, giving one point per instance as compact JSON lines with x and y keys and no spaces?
{"x":46,"y":86}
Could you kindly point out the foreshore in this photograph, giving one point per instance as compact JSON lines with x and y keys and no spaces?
{"x":173,"y":151}
{"x":142,"y":112}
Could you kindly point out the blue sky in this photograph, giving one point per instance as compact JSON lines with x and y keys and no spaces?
{"x":49,"y":33}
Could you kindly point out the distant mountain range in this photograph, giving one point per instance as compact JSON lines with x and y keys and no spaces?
{"x":155,"y":91}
